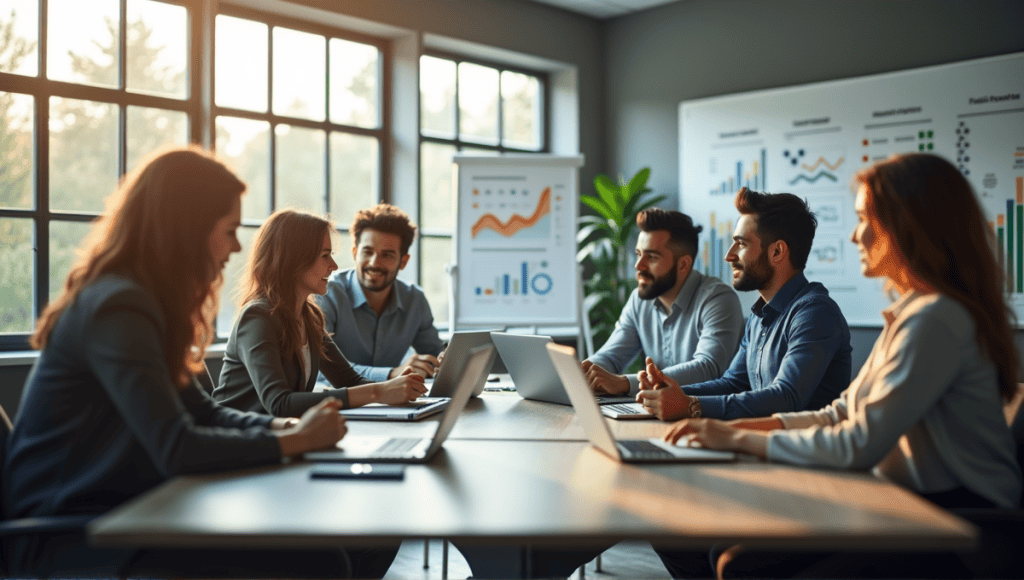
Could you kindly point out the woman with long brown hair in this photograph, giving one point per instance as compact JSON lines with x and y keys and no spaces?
{"x":112,"y":407}
{"x":925,"y":410}
{"x":279,"y":343}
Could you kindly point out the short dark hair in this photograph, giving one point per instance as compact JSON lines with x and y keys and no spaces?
{"x":781,"y":216}
{"x":385,"y":218}
{"x":682,"y":234}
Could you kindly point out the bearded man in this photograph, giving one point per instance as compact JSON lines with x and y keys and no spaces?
{"x":795,"y":354}
{"x":688,"y":323}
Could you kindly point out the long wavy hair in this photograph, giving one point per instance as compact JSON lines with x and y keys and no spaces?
{"x":287,"y":244}
{"x":931,"y":213}
{"x":156,"y":230}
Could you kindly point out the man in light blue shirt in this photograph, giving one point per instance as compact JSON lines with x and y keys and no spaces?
{"x":688,"y":323}
{"x":795,"y":354}
{"x":374,"y":317}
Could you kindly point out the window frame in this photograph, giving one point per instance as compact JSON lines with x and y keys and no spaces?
{"x":381,"y":133}
{"x":198,"y":116}
{"x":42,"y":90}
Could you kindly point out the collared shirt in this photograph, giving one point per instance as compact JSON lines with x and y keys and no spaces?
{"x":376,"y":344}
{"x":795,"y":356}
{"x":691,"y":342}
{"x":924,"y":411}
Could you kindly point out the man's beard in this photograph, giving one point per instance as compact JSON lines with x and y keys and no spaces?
{"x":755,"y":276}
{"x":388,"y":279}
{"x":658,"y":286}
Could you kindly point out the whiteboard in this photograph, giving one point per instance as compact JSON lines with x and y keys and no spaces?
{"x":515,"y":241}
{"x":810,"y":140}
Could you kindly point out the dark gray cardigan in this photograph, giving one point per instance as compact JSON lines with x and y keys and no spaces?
{"x":257,"y":376}
{"x":101,"y":421}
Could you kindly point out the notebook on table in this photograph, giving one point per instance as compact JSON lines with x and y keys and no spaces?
{"x":531,"y":370}
{"x":414,"y":449}
{"x":600,"y":435}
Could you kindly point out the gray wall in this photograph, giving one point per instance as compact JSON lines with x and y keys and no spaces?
{"x":700,"y":48}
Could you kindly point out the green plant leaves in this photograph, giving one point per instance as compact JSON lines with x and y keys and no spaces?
{"x":603,"y":240}
{"x":610,"y":194}
{"x":638,"y":185}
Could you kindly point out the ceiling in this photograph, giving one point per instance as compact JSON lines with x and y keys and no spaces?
{"x":605,"y":8}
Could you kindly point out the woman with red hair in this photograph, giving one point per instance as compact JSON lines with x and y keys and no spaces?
{"x":112,"y":408}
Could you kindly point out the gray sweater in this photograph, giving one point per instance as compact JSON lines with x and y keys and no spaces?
{"x":257,"y":376}
{"x":924,"y":411}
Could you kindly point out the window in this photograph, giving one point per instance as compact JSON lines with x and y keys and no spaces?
{"x":87,"y":89}
{"x":304,"y":124}
{"x":467,"y":107}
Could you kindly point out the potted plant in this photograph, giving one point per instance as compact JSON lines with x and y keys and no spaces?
{"x":604,"y":249}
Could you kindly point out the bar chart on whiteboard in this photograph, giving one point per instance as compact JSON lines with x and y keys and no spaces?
{"x":811,"y":141}
{"x":515,"y":243}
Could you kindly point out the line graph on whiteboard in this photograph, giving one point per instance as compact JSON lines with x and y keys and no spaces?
{"x":536,"y":224}
{"x":502,"y":213}
{"x":810,"y":166}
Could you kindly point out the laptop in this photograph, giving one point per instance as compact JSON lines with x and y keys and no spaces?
{"x":626,"y":411}
{"x":534,"y":376}
{"x":652,"y":450}
{"x":411,"y":411}
{"x":455,"y":355}
{"x":414,"y":449}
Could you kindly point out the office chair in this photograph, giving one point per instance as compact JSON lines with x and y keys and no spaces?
{"x":19,"y":527}
{"x":1002,"y":531}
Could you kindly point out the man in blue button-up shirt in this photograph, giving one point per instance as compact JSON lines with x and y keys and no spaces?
{"x":687,"y":323}
{"x":374,"y":317}
{"x":795,"y":353}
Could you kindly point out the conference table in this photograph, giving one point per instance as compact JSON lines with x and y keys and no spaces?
{"x":518,"y":472}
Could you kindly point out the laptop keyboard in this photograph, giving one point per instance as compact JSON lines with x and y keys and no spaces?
{"x":642,"y":449}
{"x":396,"y":447}
{"x":625,"y":409}
{"x":614,"y":399}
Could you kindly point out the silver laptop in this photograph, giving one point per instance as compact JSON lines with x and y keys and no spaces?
{"x":534,"y":376}
{"x":596,"y":428}
{"x":455,"y":356}
{"x":411,"y":411}
{"x":626,"y":411}
{"x":415,"y":449}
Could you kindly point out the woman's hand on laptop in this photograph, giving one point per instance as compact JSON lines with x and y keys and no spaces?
{"x":318,"y":428}
{"x":399,"y":391}
{"x":718,"y":435}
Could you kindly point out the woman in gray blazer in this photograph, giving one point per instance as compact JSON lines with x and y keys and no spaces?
{"x":112,"y":408}
{"x":279,"y":343}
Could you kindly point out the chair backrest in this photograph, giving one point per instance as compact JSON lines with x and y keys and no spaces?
{"x":1015,"y":418}
{"x":5,"y":421}
{"x":5,"y":433}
